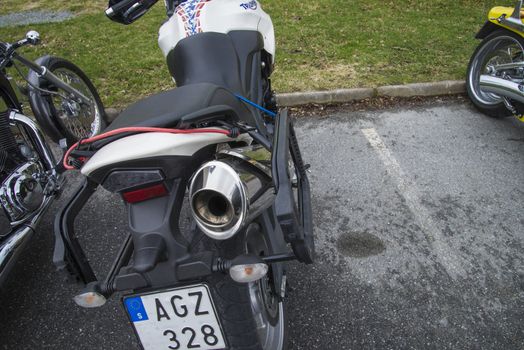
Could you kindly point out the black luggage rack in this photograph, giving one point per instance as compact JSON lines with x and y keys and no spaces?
{"x":293,"y":211}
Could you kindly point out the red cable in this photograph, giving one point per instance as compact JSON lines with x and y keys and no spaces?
{"x":137,"y":129}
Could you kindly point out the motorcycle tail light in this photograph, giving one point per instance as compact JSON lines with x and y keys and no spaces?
{"x":145,"y":194}
{"x":248,"y":272}
{"x":90,"y":300}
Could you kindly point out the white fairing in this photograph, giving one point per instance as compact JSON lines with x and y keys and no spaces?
{"x":221,"y":16}
{"x":149,"y":145}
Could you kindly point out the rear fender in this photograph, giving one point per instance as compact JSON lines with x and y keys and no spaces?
{"x":487,"y":29}
{"x":493,"y":23}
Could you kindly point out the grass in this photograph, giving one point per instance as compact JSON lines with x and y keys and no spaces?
{"x":321,"y":44}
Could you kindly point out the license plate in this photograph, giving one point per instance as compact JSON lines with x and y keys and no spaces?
{"x":177,"y":319}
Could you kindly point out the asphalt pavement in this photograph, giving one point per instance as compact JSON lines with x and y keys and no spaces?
{"x":418,"y":230}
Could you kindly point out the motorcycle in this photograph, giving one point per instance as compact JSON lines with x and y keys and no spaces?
{"x":67,"y":107}
{"x":218,"y":149}
{"x":495,"y":76}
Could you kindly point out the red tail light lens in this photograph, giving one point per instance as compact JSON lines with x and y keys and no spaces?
{"x":145,"y":194}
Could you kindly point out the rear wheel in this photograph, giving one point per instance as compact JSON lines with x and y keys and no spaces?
{"x":252,"y":315}
{"x":500,"y":47}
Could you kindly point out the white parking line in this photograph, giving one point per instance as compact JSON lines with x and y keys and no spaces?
{"x":444,"y":253}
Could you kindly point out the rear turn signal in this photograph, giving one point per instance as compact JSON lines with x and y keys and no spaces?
{"x":247,"y":269}
{"x":248,"y":273}
{"x":145,"y":194}
{"x":90,"y":300}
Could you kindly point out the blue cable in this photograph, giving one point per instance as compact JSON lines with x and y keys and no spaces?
{"x":267,"y":111}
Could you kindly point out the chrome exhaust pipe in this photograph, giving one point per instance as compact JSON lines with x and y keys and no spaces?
{"x":11,"y":249}
{"x":13,"y":246}
{"x":227,"y":194}
{"x":502,"y":87}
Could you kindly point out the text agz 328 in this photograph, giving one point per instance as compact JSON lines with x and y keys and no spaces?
{"x":217,"y":145}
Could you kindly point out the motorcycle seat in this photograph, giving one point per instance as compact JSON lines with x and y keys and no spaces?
{"x":183,"y":106}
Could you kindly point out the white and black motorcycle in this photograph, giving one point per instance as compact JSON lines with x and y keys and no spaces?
{"x":217,"y":146}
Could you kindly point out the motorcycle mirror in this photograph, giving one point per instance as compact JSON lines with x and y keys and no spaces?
{"x":33,"y":37}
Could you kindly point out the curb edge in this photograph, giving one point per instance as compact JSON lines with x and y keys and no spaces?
{"x":447,"y":87}
{"x":295,"y":99}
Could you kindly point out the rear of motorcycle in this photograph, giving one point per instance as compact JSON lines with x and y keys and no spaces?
{"x":495,"y":76}
{"x":217,"y":280}
{"x":216,"y":207}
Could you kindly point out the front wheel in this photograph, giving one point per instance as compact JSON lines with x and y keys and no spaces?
{"x":498,"y":48}
{"x":59,"y":114}
{"x":252,"y":316}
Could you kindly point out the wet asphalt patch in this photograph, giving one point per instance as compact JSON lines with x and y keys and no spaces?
{"x":359,"y":245}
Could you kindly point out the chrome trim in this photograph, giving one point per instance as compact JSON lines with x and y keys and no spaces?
{"x":11,"y":249}
{"x":13,"y":246}
{"x":31,"y":217}
{"x":502,"y":87}
{"x":218,"y":177}
{"x":247,"y":193}
{"x":505,"y":66}
{"x":39,"y":140}
{"x":11,"y":195}
{"x":514,"y":21}
{"x":254,"y":155}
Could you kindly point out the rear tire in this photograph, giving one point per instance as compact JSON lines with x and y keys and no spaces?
{"x":490,"y":104}
{"x":235,"y":306}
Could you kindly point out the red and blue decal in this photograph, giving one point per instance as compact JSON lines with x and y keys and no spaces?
{"x":190,"y":12}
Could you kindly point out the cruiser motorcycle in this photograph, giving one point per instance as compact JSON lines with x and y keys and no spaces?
{"x":495,"y":77}
{"x":217,"y":149}
{"x":66,"y":107}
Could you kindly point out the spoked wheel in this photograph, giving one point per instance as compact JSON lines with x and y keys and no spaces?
{"x":59,"y":114}
{"x":77,"y":120}
{"x":499,"y":48}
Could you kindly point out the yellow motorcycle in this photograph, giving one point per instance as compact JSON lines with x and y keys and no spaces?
{"x":495,"y":77}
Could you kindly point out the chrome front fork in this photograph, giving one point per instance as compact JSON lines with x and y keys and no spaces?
{"x":37,"y":136}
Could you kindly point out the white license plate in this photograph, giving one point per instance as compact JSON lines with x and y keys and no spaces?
{"x":177,"y":319}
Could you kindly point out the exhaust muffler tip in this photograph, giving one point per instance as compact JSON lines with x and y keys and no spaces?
{"x":213,"y":208}
{"x":218,"y":200}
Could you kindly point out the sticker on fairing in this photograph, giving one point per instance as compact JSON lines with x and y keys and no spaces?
{"x":190,"y":12}
{"x":252,"y":5}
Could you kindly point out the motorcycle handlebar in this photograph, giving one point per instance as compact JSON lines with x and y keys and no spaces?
{"x":113,"y":10}
{"x":7,"y":50}
{"x":128,"y":11}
